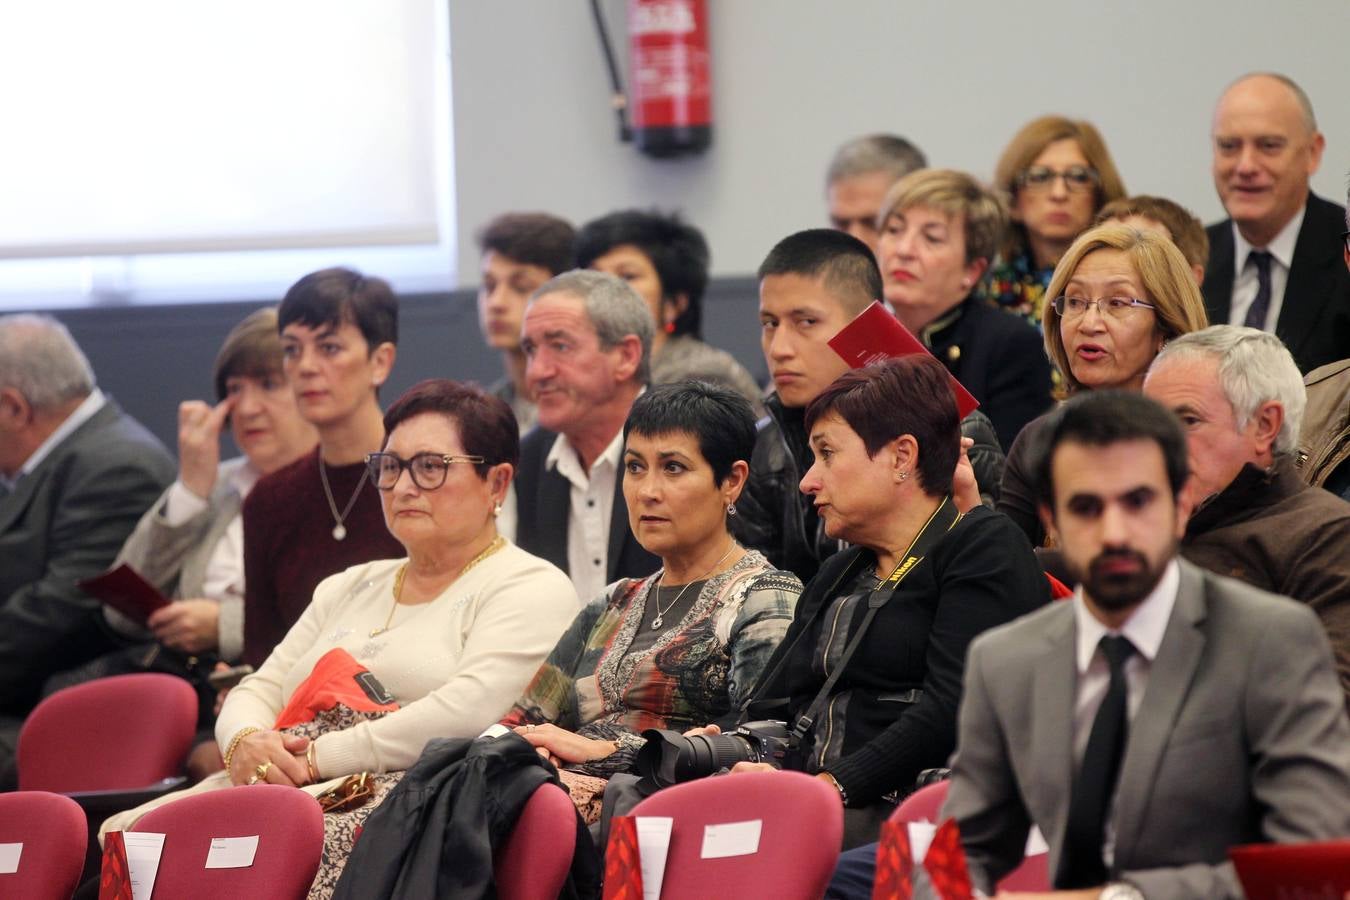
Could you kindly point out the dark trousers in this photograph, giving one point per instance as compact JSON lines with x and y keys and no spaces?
{"x":854,"y":874}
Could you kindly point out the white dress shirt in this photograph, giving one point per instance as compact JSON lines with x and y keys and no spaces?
{"x":1246,"y":281}
{"x":590,"y":511}
{"x":1144,"y":629}
{"x":224,"y":578}
{"x":81,"y":414}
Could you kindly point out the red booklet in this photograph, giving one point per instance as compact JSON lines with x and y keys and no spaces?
{"x":126,"y":591}
{"x":876,"y":335}
{"x":1320,"y":869}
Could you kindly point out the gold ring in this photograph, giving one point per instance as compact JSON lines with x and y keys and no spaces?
{"x":260,"y":773}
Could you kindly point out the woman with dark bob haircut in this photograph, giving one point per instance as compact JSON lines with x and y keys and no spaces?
{"x":886,"y":440}
{"x":681,"y":647}
{"x":666,"y":262}
{"x":449,"y":633}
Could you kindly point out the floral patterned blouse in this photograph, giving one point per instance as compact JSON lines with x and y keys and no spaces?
{"x":702,"y":669}
{"x":1017,"y":286}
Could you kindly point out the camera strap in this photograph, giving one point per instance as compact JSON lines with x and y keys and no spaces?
{"x":943,"y":519}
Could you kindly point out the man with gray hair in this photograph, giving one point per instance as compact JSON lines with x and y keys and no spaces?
{"x":859,"y":175}
{"x":1275,"y":263}
{"x":587,"y":338}
{"x":1240,"y":398}
{"x":76,"y":474}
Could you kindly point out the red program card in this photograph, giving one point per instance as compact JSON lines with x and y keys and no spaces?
{"x":875,"y":335}
{"x":126,"y":591}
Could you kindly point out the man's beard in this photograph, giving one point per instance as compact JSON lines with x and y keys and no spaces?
{"x":1118,"y":580}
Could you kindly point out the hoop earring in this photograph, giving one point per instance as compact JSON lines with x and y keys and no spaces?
{"x":731,"y":510}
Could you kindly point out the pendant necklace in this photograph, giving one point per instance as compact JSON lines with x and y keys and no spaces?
{"x":490,"y":549}
{"x":660,"y":613}
{"x":340,"y":530}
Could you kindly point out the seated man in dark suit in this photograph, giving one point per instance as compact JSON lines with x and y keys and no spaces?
{"x":587,"y":339}
{"x":1240,"y":397}
{"x":1160,"y":716}
{"x":1275,"y":263}
{"x":76,"y":474}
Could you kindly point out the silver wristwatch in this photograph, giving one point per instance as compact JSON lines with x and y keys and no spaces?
{"x":1120,"y":890}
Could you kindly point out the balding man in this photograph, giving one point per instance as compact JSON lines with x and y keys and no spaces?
{"x":76,"y":474}
{"x":859,"y":175}
{"x":1275,"y":263}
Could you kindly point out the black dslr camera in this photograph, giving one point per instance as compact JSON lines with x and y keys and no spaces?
{"x":669,"y":757}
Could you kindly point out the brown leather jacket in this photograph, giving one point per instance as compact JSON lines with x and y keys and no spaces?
{"x":1324,"y":440}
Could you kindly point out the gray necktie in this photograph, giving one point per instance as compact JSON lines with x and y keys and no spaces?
{"x":1260,"y":308}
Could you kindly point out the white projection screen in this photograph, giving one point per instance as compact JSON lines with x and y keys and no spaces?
{"x":163,"y":126}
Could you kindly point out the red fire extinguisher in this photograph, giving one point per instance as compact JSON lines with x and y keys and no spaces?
{"x":669,"y":76}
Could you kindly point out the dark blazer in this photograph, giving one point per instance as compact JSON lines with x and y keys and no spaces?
{"x":1241,"y":737}
{"x":1315,"y":318}
{"x":1001,"y":360}
{"x":65,"y":522}
{"x":543,"y":499}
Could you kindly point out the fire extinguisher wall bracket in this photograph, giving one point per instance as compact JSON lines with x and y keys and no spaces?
{"x":669,"y":76}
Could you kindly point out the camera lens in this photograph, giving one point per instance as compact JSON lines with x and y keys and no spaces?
{"x":710,"y":753}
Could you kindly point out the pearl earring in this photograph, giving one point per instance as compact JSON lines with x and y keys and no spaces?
{"x":496,"y":509}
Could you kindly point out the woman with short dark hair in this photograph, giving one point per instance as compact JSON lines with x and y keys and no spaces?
{"x":665,"y":260}
{"x":683,"y":646}
{"x":886,"y":440}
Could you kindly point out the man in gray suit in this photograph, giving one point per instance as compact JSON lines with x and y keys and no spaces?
{"x":1162,"y":715}
{"x":75,"y":475}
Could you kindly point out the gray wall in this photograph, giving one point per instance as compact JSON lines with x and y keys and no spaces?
{"x":792,"y":78}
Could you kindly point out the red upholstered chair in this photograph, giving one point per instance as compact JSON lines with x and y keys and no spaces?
{"x":120,"y":733}
{"x":535,"y":860}
{"x":925,"y":805}
{"x":287,"y":821}
{"x":53,"y":832}
{"x":802,"y":826}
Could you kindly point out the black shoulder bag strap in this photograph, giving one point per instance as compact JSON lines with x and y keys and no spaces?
{"x":943,"y":519}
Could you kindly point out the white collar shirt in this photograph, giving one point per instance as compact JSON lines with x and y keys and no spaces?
{"x":81,"y":414}
{"x":224,"y":576}
{"x":1145,"y":630}
{"x":590,"y":511}
{"x":1246,"y":280}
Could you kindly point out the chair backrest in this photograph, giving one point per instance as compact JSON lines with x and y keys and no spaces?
{"x":801,"y":827}
{"x":535,"y":860}
{"x":287,"y":821}
{"x":925,"y":805}
{"x":54,"y":835}
{"x":122,"y":732}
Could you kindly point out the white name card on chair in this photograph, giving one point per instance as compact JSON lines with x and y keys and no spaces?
{"x":9,"y":858}
{"x":232,"y":853}
{"x":731,"y":839}
{"x":144,"y":849}
{"x":653,"y":837}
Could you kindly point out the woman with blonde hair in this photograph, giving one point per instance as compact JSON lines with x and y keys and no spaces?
{"x":939,"y":230}
{"x":1057,"y":174}
{"x":1119,"y":294}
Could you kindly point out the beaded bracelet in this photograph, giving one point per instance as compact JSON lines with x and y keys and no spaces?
{"x":234,"y":743}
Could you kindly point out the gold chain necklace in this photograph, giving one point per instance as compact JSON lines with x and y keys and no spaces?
{"x":656,"y":623}
{"x":490,"y":549}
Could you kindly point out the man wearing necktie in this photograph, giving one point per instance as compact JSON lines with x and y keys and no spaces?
{"x":1160,"y":716}
{"x":1275,"y":263}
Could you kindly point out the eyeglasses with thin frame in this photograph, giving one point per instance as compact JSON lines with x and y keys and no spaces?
{"x":428,"y":470}
{"x":1077,"y":179}
{"x":1115,"y":307}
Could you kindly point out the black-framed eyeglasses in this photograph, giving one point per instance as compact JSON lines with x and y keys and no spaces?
{"x":1077,"y":179}
{"x":428,"y":470}
{"x":1115,"y":307}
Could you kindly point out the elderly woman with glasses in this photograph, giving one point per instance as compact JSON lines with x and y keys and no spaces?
{"x":1119,"y":295}
{"x":446,"y":638}
{"x":1057,"y":174}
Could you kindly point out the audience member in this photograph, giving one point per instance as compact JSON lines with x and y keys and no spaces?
{"x":587,"y":340}
{"x":1057,"y":173}
{"x":860,"y":173}
{"x":1275,"y":263}
{"x":1119,"y":296}
{"x":811,"y":285}
{"x":939,"y":230}
{"x":1323,"y":457}
{"x":1177,"y":223}
{"x":318,"y":516}
{"x":666,"y":262}
{"x":919,"y":582}
{"x":190,"y":543}
{"x":517,"y":253}
{"x":75,"y":475}
{"x":1236,"y":724}
{"x":685,"y":645}
{"x":1239,"y":396}
{"x":447,"y":636}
